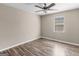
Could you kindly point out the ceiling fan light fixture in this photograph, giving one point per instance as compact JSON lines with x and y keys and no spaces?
{"x":45,"y":8}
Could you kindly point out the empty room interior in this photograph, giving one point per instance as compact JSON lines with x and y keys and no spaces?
{"x":39,"y":29}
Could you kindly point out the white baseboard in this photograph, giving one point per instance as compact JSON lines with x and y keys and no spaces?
{"x":18,"y":44}
{"x":75,"y":44}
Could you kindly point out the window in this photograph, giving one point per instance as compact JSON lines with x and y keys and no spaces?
{"x":59,"y":24}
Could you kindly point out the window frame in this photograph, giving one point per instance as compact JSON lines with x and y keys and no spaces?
{"x":63,"y":23}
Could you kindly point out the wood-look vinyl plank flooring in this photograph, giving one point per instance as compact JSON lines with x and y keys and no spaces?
{"x":42,"y":47}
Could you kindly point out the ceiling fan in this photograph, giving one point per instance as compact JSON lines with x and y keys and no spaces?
{"x":45,"y":8}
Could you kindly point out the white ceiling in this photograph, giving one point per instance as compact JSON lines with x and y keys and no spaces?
{"x":30,"y":7}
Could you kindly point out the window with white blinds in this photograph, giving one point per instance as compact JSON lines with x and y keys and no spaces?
{"x":59,"y":24}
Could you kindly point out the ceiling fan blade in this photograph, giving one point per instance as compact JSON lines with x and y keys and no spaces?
{"x":52,"y":9}
{"x":38,"y":6}
{"x":44,"y":4}
{"x":39,"y":10}
{"x":52,"y":4}
{"x":42,"y":11}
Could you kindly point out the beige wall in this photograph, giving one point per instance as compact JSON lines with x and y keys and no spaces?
{"x":71,"y":33}
{"x":17,"y":26}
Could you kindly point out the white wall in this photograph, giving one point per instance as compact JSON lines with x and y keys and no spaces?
{"x":17,"y":26}
{"x":71,"y":33}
